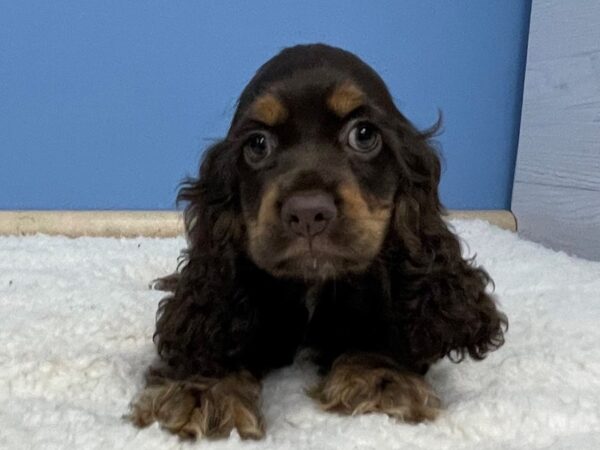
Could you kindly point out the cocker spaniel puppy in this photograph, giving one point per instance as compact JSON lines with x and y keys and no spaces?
{"x":315,"y":224}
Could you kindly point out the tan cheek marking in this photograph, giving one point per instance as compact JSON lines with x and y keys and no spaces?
{"x":345,"y":99}
{"x":269,"y":110}
{"x":371,"y":220}
{"x":267,"y":213}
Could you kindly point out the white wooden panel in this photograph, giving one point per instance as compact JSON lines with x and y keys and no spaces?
{"x":556,"y":196}
{"x":564,"y":28}
{"x":571,"y":163}
{"x":562,"y":80}
{"x":559,"y":217}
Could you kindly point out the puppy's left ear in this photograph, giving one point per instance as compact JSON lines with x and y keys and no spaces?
{"x":443,"y":297}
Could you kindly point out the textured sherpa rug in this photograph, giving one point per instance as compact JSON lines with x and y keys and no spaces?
{"x":76,"y":319}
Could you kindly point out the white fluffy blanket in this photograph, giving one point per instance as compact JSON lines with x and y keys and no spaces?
{"x":76,"y":320}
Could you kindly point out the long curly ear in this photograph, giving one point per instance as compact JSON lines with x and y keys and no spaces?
{"x":212,"y":213}
{"x":201,"y":327}
{"x":445,"y":307}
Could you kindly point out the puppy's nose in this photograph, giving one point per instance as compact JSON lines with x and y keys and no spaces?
{"x":308,"y":214}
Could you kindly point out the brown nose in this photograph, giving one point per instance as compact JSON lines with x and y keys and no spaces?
{"x":308,"y":214}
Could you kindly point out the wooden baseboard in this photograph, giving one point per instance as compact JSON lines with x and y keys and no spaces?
{"x":150,"y":223}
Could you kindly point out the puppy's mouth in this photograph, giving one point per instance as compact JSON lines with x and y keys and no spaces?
{"x":316,"y":259}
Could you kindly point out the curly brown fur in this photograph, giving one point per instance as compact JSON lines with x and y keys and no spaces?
{"x":316,"y":223}
{"x":167,"y":283}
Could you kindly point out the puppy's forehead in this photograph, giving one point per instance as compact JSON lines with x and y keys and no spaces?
{"x":274,"y":106}
{"x":314,"y":65}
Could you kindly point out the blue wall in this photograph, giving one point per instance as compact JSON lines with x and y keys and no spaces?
{"x":108,"y":104}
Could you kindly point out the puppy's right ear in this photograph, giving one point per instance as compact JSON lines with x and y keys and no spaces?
{"x":196,"y":324}
{"x":212,"y":214}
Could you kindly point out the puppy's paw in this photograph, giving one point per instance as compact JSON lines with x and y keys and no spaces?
{"x":357,"y":387}
{"x":209,"y":408}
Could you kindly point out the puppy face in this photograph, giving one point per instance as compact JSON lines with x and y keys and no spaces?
{"x":318,"y":176}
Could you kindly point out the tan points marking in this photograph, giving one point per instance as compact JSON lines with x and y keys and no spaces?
{"x":345,"y":99}
{"x":269,"y":110}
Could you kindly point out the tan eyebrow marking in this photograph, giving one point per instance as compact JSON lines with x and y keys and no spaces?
{"x":269,"y":110}
{"x":345,"y":98}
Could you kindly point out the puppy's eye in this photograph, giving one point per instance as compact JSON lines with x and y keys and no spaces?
{"x":257,"y":148}
{"x":364,"y":138}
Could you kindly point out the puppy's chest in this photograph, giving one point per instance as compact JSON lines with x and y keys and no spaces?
{"x":311,"y":299}
{"x":341,"y":309}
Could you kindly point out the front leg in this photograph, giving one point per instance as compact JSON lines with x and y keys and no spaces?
{"x":202,"y":407}
{"x":200,"y":387}
{"x":360,"y":383}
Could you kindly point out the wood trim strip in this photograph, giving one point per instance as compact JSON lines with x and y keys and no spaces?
{"x":150,"y":223}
